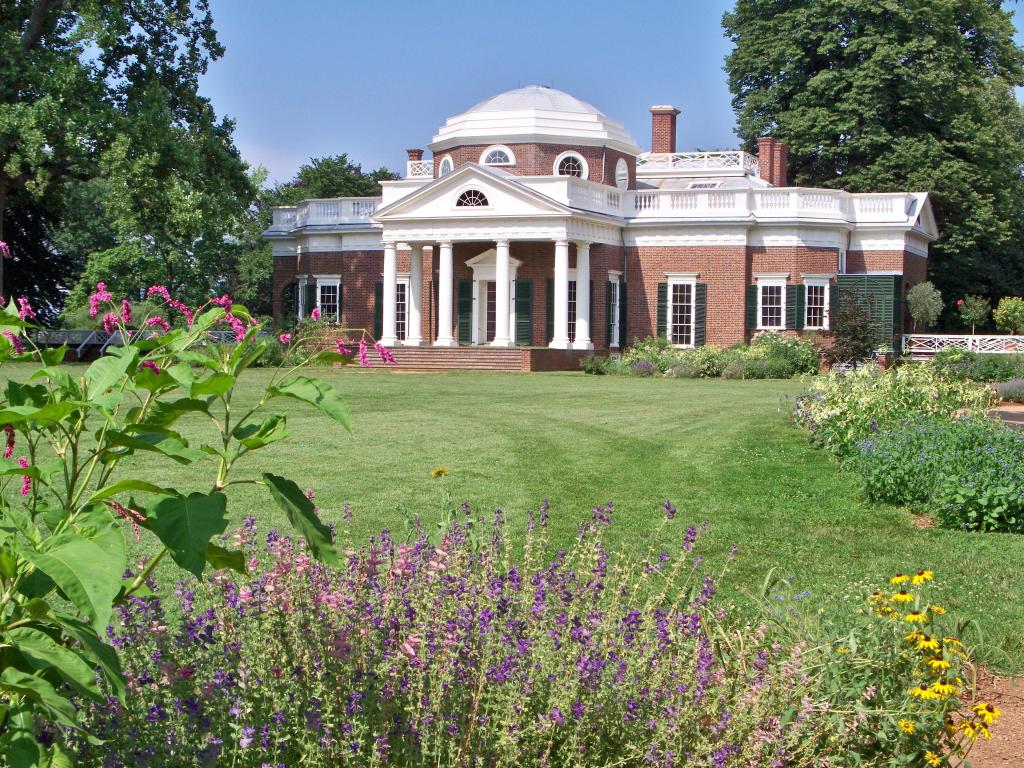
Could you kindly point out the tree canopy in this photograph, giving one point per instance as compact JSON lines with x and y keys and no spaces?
{"x":880,"y":95}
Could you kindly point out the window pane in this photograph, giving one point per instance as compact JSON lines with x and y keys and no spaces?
{"x":771,"y":306}
{"x":572,"y":310}
{"x":400,"y":311}
{"x":329,"y":303}
{"x":815,"y":306}
{"x":681,"y":329}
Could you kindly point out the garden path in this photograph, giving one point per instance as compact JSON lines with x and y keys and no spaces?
{"x":1006,"y":747}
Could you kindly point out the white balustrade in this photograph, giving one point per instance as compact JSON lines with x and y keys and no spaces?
{"x":284,"y":217}
{"x":698,"y":163}
{"x":926,"y":345}
{"x":341,"y":210}
{"x":419,"y":169}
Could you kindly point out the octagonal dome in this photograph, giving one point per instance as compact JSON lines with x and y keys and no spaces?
{"x":535,"y":113}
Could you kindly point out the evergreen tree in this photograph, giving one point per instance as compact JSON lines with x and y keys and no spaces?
{"x":878,"y":95}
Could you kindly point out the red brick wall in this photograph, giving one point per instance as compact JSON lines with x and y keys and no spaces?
{"x":539,"y":160}
{"x":359,"y":271}
{"x":663,"y":131}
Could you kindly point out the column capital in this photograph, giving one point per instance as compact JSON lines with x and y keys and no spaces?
{"x":583,"y":244}
{"x":447,"y":243}
{"x":390,"y":244}
{"x":503,"y":241}
{"x":564,"y":242}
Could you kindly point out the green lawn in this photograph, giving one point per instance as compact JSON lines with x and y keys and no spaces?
{"x":720,"y":450}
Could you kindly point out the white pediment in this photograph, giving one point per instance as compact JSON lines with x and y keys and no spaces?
{"x":504,"y":196}
{"x":926,"y":217}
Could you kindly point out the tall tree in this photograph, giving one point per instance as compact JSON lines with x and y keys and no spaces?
{"x":888,"y":95}
{"x":108,"y":90}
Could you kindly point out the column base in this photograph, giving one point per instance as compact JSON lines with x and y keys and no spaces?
{"x":412,"y":343}
{"x":444,"y":343}
{"x":501,"y":343}
{"x":582,"y":345}
{"x":388,"y":342}
{"x":559,"y":344}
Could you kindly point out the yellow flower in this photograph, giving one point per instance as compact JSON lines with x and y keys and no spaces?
{"x":922,"y":576}
{"x":943,"y":690}
{"x":970,"y":730}
{"x":915,"y":617}
{"x":984,"y":731}
{"x":914,"y":636}
{"x":938,"y":610}
{"x":938,"y":665}
{"x":920,"y":692}
{"x":906,"y":726}
{"x":950,"y":726}
{"x":932,"y":759}
{"x":886,"y":611}
{"x":951,"y":641}
{"x":927,"y":643}
{"x":902,"y":597}
{"x":842,"y":651}
{"x":439,"y":472}
{"x":988,"y":713}
{"x":877,"y":597}
{"x":899,"y":578}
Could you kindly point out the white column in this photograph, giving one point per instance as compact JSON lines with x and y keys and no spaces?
{"x":561,"y":339}
{"x":501,"y":296}
{"x":582,"y":340}
{"x":390,"y":294}
{"x":414,"y":298}
{"x":444,"y":296}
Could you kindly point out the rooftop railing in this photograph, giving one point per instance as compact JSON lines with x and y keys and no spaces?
{"x":698,"y":163}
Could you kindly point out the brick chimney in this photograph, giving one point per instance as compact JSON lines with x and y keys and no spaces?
{"x":773,"y":159}
{"x":414,"y":154}
{"x":663,"y":128}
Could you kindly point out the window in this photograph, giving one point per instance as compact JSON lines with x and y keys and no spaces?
{"x":327,"y":300}
{"x":816,"y":304}
{"x":497,"y":156}
{"x":571,"y":164}
{"x":680,"y":330}
{"x":771,"y":303}
{"x":301,"y":309}
{"x":572,"y":310}
{"x":401,"y":314}
{"x":446,"y":166}
{"x":621,"y":174}
{"x":472,"y":198}
{"x":613,"y":312}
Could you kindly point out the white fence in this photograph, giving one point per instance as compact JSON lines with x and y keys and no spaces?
{"x":925,"y":345}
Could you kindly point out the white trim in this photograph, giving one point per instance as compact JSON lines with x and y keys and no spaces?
{"x":824,"y":281}
{"x":508,"y":152}
{"x":325,"y":281}
{"x":614,"y":273}
{"x":402,"y":279}
{"x":615,"y":279}
{"x":681,"y":278}
{"x":578,"y":156}
{"x":471,"y":188}
{"x":440,"y":167}
{"x":766,"y":281}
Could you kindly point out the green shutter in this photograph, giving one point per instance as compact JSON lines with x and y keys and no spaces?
{"x":700,"y":315}
{"x":549,"y":308}
{"x":465,"y":312}
{"x":833,"y":304}
{"x":524,"y":312}
{"x":378,"y":310}
{"x":794,"y":306}
{"x":623,"y":315}
{"x":881,"y":295}
{"x":310,"y":301}
{"x":662,"y":328}
{"x":608,"y":314}
{"x":751,"y":307}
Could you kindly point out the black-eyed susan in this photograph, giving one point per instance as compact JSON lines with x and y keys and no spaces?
{"x":952,"y":641}
{"x":943,"y":690}
{"x":925,"y":694}
{"x":950,"y":725}
{"x":899,"y":578}
{"x":915,"y":617}
{"x":439,"y":472}
{"x":902,"y":597}
{"x":914,"y":636}
{"x":843,"y":651}
{"x":938,"y":610}
{"x":877,"y":597}
{"x":972,"y":729}
{"x":927,"y":643}
{"x":906,"y":726}
{"x":938,"y":665}
{"x":921,"y":577}
{"x":931,"y":758}
{"x":987,"y":713}
{"x":886,"y":611}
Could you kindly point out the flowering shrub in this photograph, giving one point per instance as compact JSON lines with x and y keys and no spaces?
{"x":969,"y":473}
{"x":842,"y":409}
{"x":64,"y":508}
{"x":1011,"y":391}
{"x":970,"y":366}
{"x":655,"y":350}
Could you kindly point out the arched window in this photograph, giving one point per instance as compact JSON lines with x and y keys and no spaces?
{"x":472,"y":198}
{"x":497,"y":156}
{"x":621,"y":174}
{"x":446,"y":166}
{"x":571,"y":164}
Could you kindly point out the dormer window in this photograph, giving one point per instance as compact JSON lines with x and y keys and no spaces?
{"x":472,"y":198}
{"x":497,"y":156}
{"x":704,"y":185}
{"x":446,"y":166}
{"x":571,"y":164}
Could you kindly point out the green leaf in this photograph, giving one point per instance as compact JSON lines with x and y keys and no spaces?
{"x":39,"y":691}
{"x":43,"y":652}
{"x":215,"y":384}
{"x":165,"y":412}
{"x":303,"y":517}
{"x":185,"y":525}
{"x":219,"y":557}
{"x":147,"y":379}
{"x":105,"y":656}
{"x":315,"y":392}
{"x":330,"y":356}
{"x":270,"y":430}
{"x":84,"y":570}
{"x":128,"y":485}
{"x":106,"y":371}
{"x":19,"y":746}
{"x":53,"y":355}
{"x":246,"y":354}
{"x":60,"y":377}
{"x":170,"y":445}
{"x":47,"y":414}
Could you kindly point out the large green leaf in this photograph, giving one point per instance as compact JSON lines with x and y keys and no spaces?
{"x":43,"y":652}
{"x":244,"y":355}
{"x":38,"y":691}
{"x":303,"y":517}
{"x":185,"y":524}
{"x":219,"y":557}
{"x":101,"y":653}
{"x":315,"y":392}
{"x":46,"y":414}
{"x":215,"y":384}
{"x":165,"y":412}
{"x":87,"y":571}
{"x":270,"y":430}
{"x":170,"y":445}
{"x":106,"y":371}
{"x":18,"y":745}
{"x":128,"y":485}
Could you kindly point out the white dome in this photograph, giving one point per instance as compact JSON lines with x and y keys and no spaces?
{"x":535,"y":113}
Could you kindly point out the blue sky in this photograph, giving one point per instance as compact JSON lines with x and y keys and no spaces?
{"x":307,"y":78}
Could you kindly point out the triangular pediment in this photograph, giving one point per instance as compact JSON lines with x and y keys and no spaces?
{"x":439,"y":198}
{"x":926,"y":217}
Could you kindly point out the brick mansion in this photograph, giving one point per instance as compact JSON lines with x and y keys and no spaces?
{"x":539,"y":225}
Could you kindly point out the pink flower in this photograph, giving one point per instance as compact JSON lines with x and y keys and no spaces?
{"x":315,"y":314}
{"x":9,"y":448}
{"x":157,"y":290}
{"x":5,"y":250}
{"x":343,"y":350}
{"x":384,"y":352}
{"x":157,"y":320}
{"x":101,"y":295}
{"x":131,"y":515}
{"x":224,"y":301}
{"x":126,"y":311}
{"x":364,"y":359}
{"x":285,"y":338}
{"x":26,"y":312}
{"x":183,"y":308}
{"x":411,"y":644}
{"x":26,"y":481}
{"x":19,"y":349}
{"x":151,"y":366}
{"x":160,"y":290}
{"x":110,"y":322}
{"x":236,"y":325}
{"x":309,"y":494}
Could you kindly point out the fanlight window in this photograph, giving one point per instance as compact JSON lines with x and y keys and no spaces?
{"x":471,"y":198}
{"x":497,"y":156}
{"x":570,"y":166}
{"x":446,"y":166}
